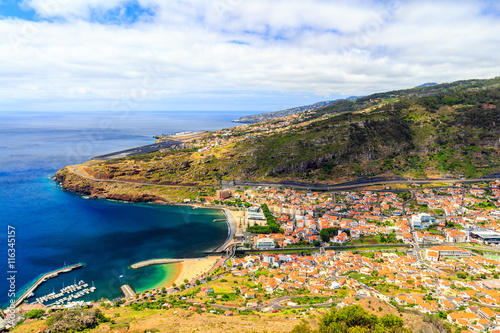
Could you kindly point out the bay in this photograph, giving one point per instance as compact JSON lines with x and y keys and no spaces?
{"x":55,"y":227}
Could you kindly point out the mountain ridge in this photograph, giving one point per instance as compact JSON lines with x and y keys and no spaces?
{"x":251,"y":119}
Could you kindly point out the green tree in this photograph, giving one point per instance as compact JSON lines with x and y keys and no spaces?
{"x":325,"y":235}
{"x":391,"y":238}
{"x":391,"y":323}
{"x":351,"y":318}
{"x":354,"y":319}
{"x":34,"y":314}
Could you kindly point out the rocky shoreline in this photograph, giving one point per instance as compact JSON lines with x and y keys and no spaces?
{"x":72,"y":182}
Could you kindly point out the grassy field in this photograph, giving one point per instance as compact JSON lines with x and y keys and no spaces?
{"x":489,"y":256}
{"x":371,"y":240}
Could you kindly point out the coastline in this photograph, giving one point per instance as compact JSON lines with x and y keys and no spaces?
{"x":231,"y":221}
{"x":190,"y":269}
{"x":193,"y":269}
{"x":171,"y":272}
{"x":232,"y":227}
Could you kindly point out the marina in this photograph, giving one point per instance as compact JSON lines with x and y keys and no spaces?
{"x":67,"y":294}
{"x":29,"y":292}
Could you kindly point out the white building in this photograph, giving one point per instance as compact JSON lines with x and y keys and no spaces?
{"x":422,"y":220}
{"x":265,"y":244}
{"x":437,"y":253}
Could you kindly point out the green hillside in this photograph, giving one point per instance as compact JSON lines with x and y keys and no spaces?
{"x":433,"y":131}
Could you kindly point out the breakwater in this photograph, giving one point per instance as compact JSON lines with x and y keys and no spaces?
{"x":158,"y":262}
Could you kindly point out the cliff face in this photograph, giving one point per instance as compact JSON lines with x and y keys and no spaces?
{"x":103,"y":190}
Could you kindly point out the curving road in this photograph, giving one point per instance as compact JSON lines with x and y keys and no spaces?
{"x":300,"y":185}
{"x":76,"y":171}
{"x":275,"y":304}
{"x":354,"y":184}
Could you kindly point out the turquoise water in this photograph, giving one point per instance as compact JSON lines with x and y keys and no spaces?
{"x":54,"y":227}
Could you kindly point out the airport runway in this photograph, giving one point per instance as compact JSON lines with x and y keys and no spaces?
{"x":138,"y":150}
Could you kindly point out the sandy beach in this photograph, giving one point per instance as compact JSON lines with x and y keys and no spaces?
{"x":191,"y":269}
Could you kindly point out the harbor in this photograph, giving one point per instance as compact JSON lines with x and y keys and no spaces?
{"x":30,"y":291}
{"x":67,"y":294}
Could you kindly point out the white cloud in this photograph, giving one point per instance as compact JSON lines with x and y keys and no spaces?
{"x":324,"y":48}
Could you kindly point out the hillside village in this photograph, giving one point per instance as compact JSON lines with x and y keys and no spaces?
{"x":444,"y":273}
{"x":449,"y":267}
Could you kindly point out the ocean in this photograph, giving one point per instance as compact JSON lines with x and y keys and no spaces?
{"x":55,"y":228}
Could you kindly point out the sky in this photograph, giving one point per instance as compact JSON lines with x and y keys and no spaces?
{"x":234,"y":55}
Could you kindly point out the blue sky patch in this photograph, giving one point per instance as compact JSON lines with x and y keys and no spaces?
{"x":127,"y":13}
{"x":12,"y":9}
{"x":238,"y":42}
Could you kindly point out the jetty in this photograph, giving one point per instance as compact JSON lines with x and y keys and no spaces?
{"x":157,"y":262}
{"x":44,"y":278}
{"x":127,"y":291}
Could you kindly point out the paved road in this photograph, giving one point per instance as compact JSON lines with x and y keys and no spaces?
{"x":231,"y":250}
{"x":75,"y":170}
{"x":275,"y":304}
{"x":354,"y":184}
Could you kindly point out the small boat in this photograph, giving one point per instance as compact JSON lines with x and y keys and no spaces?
{"x":120,"y":276}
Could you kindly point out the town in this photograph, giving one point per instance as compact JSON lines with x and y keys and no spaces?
{"x":450,"y":267}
